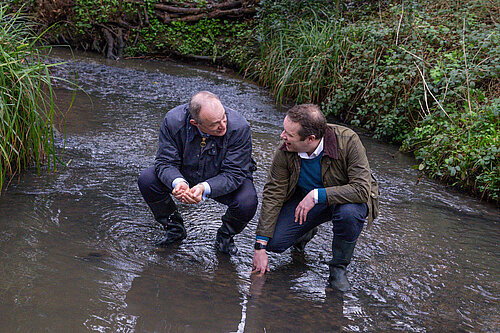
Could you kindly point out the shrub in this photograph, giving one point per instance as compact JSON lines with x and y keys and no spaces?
{"x":413,"y":69}
{"x":302,"y":61}
{"x":461,"y":148}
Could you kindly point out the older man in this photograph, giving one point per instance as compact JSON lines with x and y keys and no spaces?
{"x":320,"y":173}
{"x":204,"y":152}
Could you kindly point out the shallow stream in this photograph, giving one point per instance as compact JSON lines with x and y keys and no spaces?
{"x":75,"y":245}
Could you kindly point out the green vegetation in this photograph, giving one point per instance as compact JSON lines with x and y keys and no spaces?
{"x":138,"y":28}
{"x":461,"y":148}
{"x":425,"y":74}
{"x":303,"y":60}
{"x":26,"y":99}
{"x":213,"y":38}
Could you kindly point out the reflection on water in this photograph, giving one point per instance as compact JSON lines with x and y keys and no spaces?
{"x":75,"y":245}
{"x":166,"y":300}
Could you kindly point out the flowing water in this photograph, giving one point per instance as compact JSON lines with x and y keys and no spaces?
{"x":75,"y":245}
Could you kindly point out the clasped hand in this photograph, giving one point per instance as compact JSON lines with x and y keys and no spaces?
{"x":187,"y":195}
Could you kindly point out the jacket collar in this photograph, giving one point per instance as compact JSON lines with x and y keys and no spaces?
{"x":330,"y":147}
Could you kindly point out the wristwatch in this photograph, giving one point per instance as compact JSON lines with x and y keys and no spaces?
{"x":259,"y":246}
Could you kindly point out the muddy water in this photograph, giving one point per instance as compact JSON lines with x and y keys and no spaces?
{"x":75,"y":245}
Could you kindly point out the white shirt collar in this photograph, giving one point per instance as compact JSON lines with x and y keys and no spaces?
{"x":316,"y":153}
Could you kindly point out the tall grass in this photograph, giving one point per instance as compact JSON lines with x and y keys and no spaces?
{"x":303,"y":61}
{"x":27,"y":107}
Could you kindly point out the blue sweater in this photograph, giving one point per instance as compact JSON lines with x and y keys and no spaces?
{"x":310,"y":177}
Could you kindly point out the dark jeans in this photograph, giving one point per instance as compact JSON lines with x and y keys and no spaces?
{"x":242,"y":202}
{"x":347,"y":219}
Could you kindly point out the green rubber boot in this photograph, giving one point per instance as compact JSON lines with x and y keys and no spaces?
{"x":342,"y":254}
{"x":300,"y":244}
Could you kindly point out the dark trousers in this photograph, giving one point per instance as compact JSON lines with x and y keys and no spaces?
{"x":347,"y":219}
{"x":242,"y":202}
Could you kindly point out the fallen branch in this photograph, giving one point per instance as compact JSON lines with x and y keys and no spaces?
{"x":174,"y":5}
{"x":180,"y":4}
{"x":196,"y":57}
{"x":183,"y":10}
{"x":218,"y":13}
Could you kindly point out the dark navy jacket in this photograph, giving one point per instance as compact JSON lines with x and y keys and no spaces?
{"x":224,"y":163}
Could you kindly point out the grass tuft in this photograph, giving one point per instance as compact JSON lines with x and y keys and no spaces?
{"x":27,"y":107}
{"x":304,"y":60}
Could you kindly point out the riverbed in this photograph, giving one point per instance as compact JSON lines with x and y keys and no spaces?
{"x":75,"y":245}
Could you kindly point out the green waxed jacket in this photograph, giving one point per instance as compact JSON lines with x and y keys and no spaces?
{"x":344,"y":169}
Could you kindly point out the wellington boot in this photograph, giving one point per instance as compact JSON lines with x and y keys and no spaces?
{"x":338,"y":279}
{"x":230,"y":227}
{"x":225,"y":244}
{"x":342,"y":254}
{"x":301,"y":243}
{"x":165,"y":213}
{"x":175,"y":230}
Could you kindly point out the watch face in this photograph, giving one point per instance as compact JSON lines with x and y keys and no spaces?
{"x":259,"y":246}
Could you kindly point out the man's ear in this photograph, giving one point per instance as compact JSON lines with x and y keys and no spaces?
{"x":193,"y":122}
{"x":311,"y":138}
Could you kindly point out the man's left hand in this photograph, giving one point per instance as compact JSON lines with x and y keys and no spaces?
{"x":260,"y":263}
{"x":304,"y":207}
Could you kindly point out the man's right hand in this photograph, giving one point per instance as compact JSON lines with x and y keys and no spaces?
{"x":194,"y":195}
{"x":179,"y":190}
{"x":260,"y":263}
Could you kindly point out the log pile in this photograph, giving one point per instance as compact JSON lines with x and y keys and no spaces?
{"x":170,"y":11}
{"x":116,"y":30}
